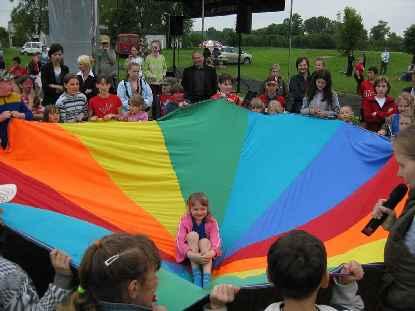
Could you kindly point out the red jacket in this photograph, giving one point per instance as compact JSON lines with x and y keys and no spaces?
{"x":232,"y":97}
{"x":371,"y":106}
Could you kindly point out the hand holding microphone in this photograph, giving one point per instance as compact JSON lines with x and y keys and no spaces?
{"x":384,"y":208}
{"x":380,"y":209}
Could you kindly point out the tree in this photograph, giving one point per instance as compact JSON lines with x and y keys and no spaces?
{"x":380,"y":31}
{"x":409,"y":39}
{"x":139,"y":16}
{"x":319,"y":24}
{"x":278,"y":29}
{"x":350,"y":32}
{"x":394,"y":42}
{"x":30,"y":17}
{"x":213,"y":34}
{"x":297,"y":27}
{"x":4,"y":37}
{"x":230,"y":37}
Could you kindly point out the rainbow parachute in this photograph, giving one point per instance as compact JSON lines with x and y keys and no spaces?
{"x":264,"y":175}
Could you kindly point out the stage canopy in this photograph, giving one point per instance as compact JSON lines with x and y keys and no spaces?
{"x":226,"y":7}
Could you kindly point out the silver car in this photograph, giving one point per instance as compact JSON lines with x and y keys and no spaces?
{"x":229,"y":55}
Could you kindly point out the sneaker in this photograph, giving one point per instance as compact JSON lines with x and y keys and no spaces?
{"x":7,"y":192}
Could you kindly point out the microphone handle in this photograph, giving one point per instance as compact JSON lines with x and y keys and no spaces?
{"x":396,"y":195}
{"x":374,"y":224}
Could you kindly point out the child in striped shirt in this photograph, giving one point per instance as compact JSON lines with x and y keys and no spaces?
{"x":72,"y":104}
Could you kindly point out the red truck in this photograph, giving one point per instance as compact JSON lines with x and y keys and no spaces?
{"x":124,"y":43}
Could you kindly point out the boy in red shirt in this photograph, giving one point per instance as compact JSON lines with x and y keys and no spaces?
{"x":377,"y":108}
{"x":367,"y":89}
{"x":104,"y":106}
{"x":359,"y":70}
{"x":226,"y":90}
{"x":17,"y":70}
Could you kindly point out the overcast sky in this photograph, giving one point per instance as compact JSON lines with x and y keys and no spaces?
{"x":398,"y":13}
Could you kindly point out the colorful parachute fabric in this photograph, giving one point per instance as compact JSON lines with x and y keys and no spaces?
{"x":264,"y":175}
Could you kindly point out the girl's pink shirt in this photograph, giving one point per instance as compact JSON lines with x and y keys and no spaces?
{"x":186,"y":226}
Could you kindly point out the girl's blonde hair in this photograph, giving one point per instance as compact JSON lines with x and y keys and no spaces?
{"x":277,"y":104}
{"x":380,"y":79}
{"x":50,"y":109}
{"x":409,"y":99}
{"x":85,"y":60}
{"x":276,"y":67}
{"x":256,"y":103}
{"x":129,"y":66}
{"x":136,"y":100}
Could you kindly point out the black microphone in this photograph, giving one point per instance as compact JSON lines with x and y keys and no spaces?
{"x":395,"y":197}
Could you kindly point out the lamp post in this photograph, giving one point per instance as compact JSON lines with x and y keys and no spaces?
{"x":203,"y":20}
{"x":289,"y":40}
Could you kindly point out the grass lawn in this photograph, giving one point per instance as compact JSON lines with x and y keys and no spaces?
{"x":264,"y":57}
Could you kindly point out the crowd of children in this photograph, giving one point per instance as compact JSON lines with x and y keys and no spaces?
{"x":313,"y":94}
{"x":120,"y":269}
{"x":88,"y":97}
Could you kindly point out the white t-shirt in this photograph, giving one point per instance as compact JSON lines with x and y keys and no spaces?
{"x":380,"y":101}
{"x":136,"y":60}
{"x":57,"y":71}
{"x":385,"y":57}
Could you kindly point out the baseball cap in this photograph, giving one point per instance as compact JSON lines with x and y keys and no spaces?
{"x":105,"y":39}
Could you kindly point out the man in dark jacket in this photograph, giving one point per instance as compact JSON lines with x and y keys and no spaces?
{"x":199,"y":81}
{"x":298,"y":85}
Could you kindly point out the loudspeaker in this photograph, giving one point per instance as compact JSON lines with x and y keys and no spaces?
{"x":176,"y":25}
{"x":244,"y":19}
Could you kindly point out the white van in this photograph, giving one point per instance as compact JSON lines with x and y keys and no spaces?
{"x":31,"y":47}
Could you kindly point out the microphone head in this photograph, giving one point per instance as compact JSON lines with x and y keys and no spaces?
{"x":396,"y":196}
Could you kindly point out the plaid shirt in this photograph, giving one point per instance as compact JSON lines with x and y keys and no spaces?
{"x":18,"y":294}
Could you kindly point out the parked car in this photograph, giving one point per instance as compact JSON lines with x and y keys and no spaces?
{"x":210,"y":44}
{"x":125,"y":41}
{"x":31,"y":47}
{"x":229,"y":55}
